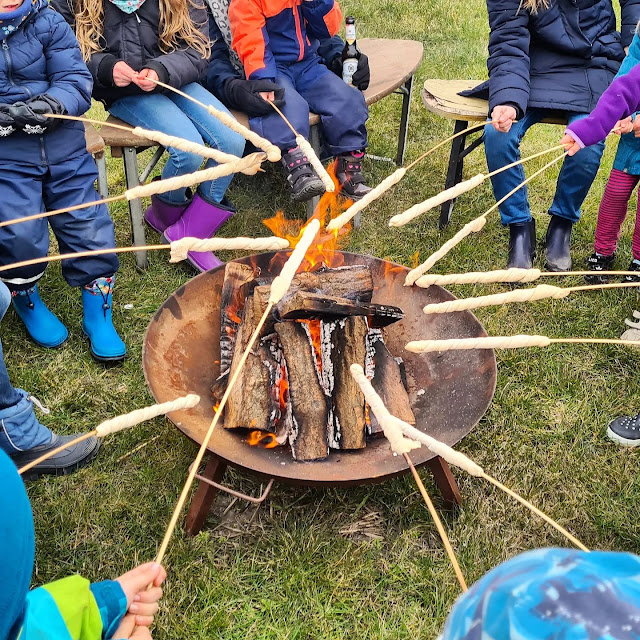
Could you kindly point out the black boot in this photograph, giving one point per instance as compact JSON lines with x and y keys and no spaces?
{"x":634,"y":266}
{"x":302,"y":178}
{"x":596,"y":262}
{"x":522,"y":245}
{"x":349,"y":175}
{"x":558,"y":244}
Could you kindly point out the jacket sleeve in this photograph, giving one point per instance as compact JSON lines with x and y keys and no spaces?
{"x":70,"y":80}
{"x":630,"y":16}
{"x":220,"y":68}
{"x":330,"y":48}
{"x":508,"y":62}
{"x":73,"y":609}
{"x":185,"y":64}
{"x":250,"y":39}
{"x":620,"y":100}
{"x":324,"y":17}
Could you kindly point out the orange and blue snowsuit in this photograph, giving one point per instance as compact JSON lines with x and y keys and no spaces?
{"x":278,"y":40}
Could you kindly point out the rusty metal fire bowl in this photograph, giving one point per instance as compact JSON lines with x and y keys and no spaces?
{"x":449,"y":392}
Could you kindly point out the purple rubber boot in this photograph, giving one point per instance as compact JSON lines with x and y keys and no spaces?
{"x":201,"y":219}
{"x":161,"y":215}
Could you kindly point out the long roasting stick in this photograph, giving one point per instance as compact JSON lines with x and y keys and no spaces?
{"x":273,"y":153}
{"x":471,"y":227}
{"x":506,"y":275}
{"x":279,"y":287}
{"x":504,"y":342}
{"x":178,"y":249}
{"x":540,"y":292}
{"x":462,"y":187}
{"x":119,"y":423}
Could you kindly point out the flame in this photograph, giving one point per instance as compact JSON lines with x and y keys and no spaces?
{"x":262,"y":439}
{"x":283,"y":391}
{"x":233,"y":315}
{"x":315,"y":335}
{"x":216,"y":407}
{"x":327,"y":242}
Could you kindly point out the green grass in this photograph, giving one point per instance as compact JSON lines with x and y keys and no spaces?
{"x":285,"y":570}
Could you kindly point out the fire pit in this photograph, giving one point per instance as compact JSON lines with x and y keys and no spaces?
{"x":449,"y":393}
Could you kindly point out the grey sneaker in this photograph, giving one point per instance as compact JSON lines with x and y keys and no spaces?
{"x":625,"y":430}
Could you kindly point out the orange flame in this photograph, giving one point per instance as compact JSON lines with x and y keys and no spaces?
{"x":262,"y":439}
{"x":324,"y":248}
{"x":315,"y":329}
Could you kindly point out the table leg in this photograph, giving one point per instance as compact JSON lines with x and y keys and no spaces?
{"x":204,"y":496}
{"x":445,"y":481}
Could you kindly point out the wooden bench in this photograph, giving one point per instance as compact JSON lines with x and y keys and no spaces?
{"x":441,"y":97}
{"x":95,"y":146}
{"x":393,"y":65}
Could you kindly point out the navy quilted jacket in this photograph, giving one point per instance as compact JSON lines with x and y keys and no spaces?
{"x":42,"y":56}
{"x":562,"y":58}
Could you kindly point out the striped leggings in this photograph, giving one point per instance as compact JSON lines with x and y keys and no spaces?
{"x":613,"y":211}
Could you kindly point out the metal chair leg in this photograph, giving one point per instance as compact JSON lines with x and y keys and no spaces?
{"x":454,"y":172}
{"x":407,"y":91}
{"x":135,"y":206}
{"x":101,"y":164}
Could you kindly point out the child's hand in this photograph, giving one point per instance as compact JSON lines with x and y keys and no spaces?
{"x":623,"y":126}
{"x":142,"y":603}
{"x":128,"y":630}
{"x":268,"y":95}
{"x":123,"y":74}
{"x":145,"y":84}
{"x":502,"y":117}
{"x":570,"y":144}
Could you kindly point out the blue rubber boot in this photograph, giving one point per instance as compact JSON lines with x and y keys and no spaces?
{"x":43,"y":326}
{"x":106,"y":344}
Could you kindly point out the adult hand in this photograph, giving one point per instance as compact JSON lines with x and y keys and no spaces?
{"x":250,"y":96}
{"x":142,"y":603}
{"x":123,"y":74}
{"x":502,"y":117}
{"x":144,"y":79}
{"x":362,"y":76}
{"x":570,"y":144}
{"x":30,"y":115}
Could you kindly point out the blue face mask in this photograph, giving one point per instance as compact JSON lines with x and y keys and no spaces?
{"x":128,"y":6}
{"x":10,"y":22}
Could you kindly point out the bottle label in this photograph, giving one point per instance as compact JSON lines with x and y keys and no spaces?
{"x":349,"y":67}
{"x":350,"y":33}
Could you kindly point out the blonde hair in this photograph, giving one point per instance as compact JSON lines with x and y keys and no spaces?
{"x":533,"y":6}
{"x":175,"y":29}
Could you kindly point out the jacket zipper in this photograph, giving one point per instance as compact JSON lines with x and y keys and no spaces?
{"x":296,"y":17}
{"x":7,"y":56}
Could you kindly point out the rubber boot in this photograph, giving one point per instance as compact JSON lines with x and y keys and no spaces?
{"x":42,"y":325}
{"x":201,"y":219}
{"x":161,"y":215}
{"x":106,"y":344}
{"x":522,"y":245}
{"x":25,"y":439}
{"x":301,"y":176}
{"x":349,"y":175}
{"x":558,"y":244}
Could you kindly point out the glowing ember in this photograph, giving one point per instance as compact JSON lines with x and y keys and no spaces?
{"x":262,"y":439}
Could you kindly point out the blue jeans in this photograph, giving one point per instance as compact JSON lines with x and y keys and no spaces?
{"x":575,"y":179}
{"x":175,"y":115}
{"x":8,"y":395}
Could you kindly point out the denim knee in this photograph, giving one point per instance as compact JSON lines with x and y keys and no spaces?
{"x":185,"y":162}
{"x":5,"y":299}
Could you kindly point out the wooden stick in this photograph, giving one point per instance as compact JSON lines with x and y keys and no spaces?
{"x":273,"y":153}
{"x":119,"y":423}
{"x":279,"y":287}
{"x":504,"y":342}
{"x":178,"y":249}
{"x":470,"y":227}
{"x":453,"y":192}
{"x":439,"y":526}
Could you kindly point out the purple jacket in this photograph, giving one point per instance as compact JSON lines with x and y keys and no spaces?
{"x":620,"y":100}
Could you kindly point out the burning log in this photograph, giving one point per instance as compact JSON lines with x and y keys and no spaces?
{"x":309,"y":407}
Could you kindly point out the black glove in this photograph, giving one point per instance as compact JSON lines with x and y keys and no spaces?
{"x":7,"y":123}
{"x":244,"y":95}
{"x":361,"y":77}
{"x":29,"y":115}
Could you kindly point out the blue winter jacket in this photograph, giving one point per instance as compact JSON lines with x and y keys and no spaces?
{"x":42,"y":56}
{"x":628,"y":154}
{"x":563,"y":57}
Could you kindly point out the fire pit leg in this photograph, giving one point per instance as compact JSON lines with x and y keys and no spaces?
{"x":445,"y":481}
{"x":204,"y":496}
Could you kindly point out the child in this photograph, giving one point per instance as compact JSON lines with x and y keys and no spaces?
{"x":44,"y":164}
{"x":71,"y":608}
{"x":129,"y":43}
{"x":618,"y":102}
{"x":277,"y":40}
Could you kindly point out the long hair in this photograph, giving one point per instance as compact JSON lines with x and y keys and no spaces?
{"x":175,"y":29}
{"x":533,"y":6}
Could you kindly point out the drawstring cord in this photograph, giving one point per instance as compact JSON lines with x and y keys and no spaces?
{"x":38,"y":404}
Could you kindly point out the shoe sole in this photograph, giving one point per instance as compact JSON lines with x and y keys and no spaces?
{"x":105,"y":359}
{"x":625,"y":442}
{"x":35,"y":474}
{"x":307,"y":193}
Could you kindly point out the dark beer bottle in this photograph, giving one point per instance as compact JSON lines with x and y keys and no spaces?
{"x":350,"y":54}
